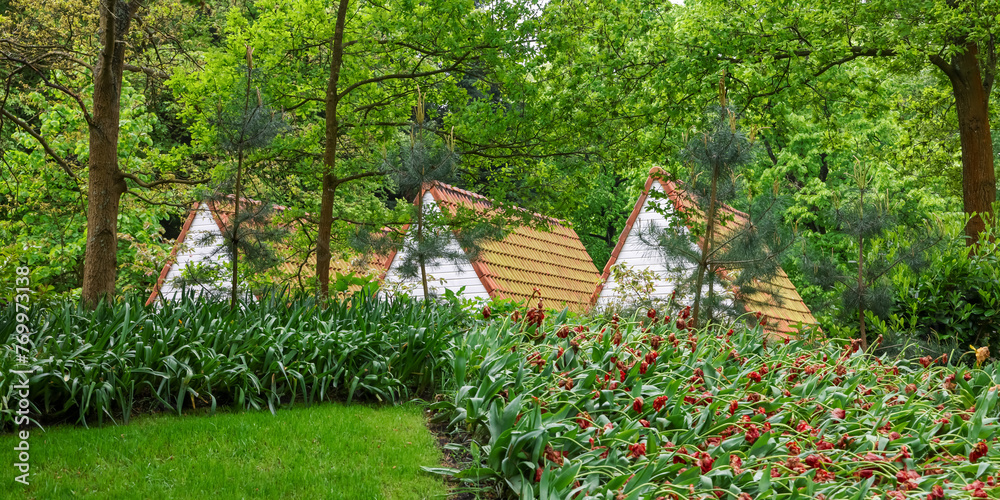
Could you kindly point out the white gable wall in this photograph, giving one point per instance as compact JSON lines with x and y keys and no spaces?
{"x":640,"y":255}
{"x":192,"y":252}
{"x":455,"y":276}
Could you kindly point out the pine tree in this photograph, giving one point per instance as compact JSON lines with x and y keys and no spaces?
{"x":745,"y":247}
{"x":867,"y":218}
{"x":418,"y":161}
{"x":244,"y":123}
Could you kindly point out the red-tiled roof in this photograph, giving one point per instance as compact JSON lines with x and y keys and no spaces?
{"x":555,"y":262}
{"x":777,"y":300}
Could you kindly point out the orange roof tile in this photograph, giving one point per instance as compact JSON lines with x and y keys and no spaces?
{"x":555,"y":262}
{"x":777,"y":300}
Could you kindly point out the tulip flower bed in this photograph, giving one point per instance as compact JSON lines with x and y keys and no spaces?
{"x":631,"y":410}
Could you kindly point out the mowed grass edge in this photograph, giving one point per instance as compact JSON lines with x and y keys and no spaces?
{"x":324,"y":451}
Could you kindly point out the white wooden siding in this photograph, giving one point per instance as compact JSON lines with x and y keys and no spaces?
{"x":192,"y":252}
{"x":455,"y":276}
{"x":640,"y":255}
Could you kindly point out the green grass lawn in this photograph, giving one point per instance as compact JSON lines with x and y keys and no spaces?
{"x":326,"y":451}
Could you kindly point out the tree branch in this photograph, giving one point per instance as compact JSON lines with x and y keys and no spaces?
{"x":989,"y":67}
{"x":856,"y":52}
{"x":349,"y":178}
{"x":147,"y":200}
{"x":50,"y":84}
{"x":153,"y":184}
{"x":41,"y":140}
{"x":153,"y":72}
{"x":770,"y":152}
{"x":939,"y":61}
{"x":400,"y":76}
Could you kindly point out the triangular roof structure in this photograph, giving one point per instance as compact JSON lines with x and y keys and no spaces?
{"x":777,"y":300}
{"x":209,"y":218}
{"x":554,"y":261}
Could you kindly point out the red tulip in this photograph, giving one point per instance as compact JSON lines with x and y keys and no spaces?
{"x":937,"y":493}
{"x":637,"y":405}
{"x":793,"y":447}
{"x":659,"y":402}
{"x":736,"y":463}
{"x":978,"y":452}
{"x":705,"y":462}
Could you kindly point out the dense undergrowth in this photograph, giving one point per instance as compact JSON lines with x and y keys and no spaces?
{"x":107,"y":363}
{"x":629,"y":411}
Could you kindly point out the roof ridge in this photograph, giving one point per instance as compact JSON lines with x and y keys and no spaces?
{"x":673,"y":186}
{"x":473,"y":194}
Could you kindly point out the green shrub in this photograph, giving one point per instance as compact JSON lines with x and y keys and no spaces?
{"x":634,"y":293}
{"x":955,"y":300}
{"x":105,"y":362}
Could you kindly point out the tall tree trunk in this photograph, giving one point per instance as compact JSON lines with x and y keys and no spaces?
{"x":239,"y":182}
{"x":704,"y":265}
{"x":105,"y":187}
{"x":862,"y":334}
{"x":971,"y":103}
{"x":105,"y":184}
{"x":330,"y":155}
{"x":236,"y":219}
{"x":420,"y":240}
